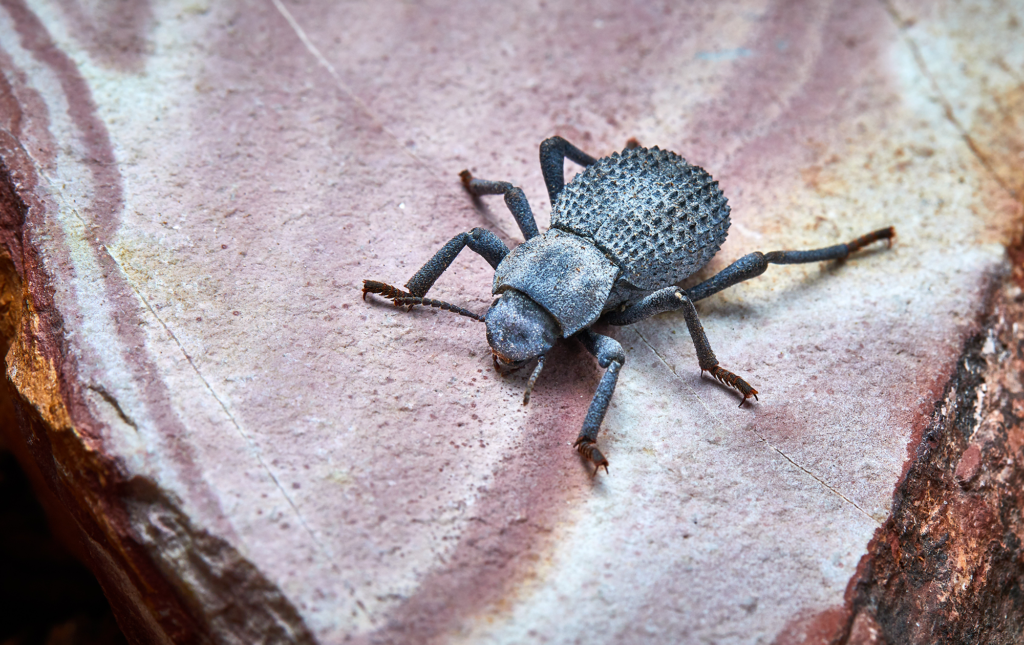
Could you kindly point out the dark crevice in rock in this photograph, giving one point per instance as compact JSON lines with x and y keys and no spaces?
{"x":127,"y":530}
{"x":109,"y":399}
{"x":235,"y":600}
{"x":46,"y":594}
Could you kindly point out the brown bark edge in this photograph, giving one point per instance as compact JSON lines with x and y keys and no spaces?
{"x":948,"y":564}
{"x":86,"y":495}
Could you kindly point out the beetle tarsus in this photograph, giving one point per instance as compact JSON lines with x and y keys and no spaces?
{"x":589,"y":449}
{"x":730,"y":379}
{"x":383,"y":290}
{"x":881,"y":234}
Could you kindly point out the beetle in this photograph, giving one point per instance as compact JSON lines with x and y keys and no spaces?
{"x":624,"y":232}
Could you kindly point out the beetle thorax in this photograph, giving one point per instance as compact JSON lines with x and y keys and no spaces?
{"x":518,"y":329}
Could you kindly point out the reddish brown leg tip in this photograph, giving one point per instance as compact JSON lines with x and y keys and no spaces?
{"x":746,"y":397}
{"x":589,"y":450}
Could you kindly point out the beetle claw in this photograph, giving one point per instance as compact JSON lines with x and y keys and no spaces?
{"x":589,"y":449}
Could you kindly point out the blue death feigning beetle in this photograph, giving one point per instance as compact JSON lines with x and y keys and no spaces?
{"x":624,"y":232}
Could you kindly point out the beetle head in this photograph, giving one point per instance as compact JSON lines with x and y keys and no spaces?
{"x":518,"y":329}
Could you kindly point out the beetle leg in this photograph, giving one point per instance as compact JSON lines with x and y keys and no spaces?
{"x":667,"y":299}
{"x":754,"y":264}
{"x":515,"y":199}
{"x":609,"y":354}
{"x":479,"y":240}
{"x":670,"y":299}
{"x":553,"y":153}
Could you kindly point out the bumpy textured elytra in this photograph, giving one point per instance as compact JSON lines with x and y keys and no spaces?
{"x":658,"y":218}
{"x":623,"y":233}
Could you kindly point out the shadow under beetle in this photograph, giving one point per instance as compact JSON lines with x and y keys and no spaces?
{"x":623,"y":233}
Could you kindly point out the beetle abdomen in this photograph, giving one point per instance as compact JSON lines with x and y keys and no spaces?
{"x":659,"y":218}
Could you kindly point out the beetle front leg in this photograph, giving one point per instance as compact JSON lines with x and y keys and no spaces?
{"x":671,"y":299}
{"x":609,"y":355}
{"x":479,"y":240}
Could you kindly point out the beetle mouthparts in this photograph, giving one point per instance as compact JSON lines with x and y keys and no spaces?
{"x":504,"y":366}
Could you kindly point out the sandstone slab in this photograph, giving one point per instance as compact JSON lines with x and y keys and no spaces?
{"x":194,"y":192}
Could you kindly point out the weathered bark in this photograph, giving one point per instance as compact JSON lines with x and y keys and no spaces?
{"x":948,"y":565}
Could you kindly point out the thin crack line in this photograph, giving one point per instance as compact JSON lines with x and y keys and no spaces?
{"x":238,"y":426}
{"x":326,"y":64}
{"x":248,"y":439}
{"x":947,"y":107}
{"x":363,"y":105}
{"x":756,"y":434}
{"x":692,"y":391}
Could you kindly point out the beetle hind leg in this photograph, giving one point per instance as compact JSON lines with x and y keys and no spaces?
{"x":754,"y":264}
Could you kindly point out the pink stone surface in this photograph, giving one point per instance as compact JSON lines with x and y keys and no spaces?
{"x":216,"y":180}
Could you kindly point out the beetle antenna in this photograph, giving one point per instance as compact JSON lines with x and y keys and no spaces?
{"x":430,"y":302}
{"x":533,"y":379}
{"x":403,"y":298}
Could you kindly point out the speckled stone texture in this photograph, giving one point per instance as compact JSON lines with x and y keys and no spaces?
{"x":192,"y":193}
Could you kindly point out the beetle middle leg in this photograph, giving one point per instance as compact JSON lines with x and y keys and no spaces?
{"x":479,"y":240}
{"x":609,"y":355}
{"x":671,"y":299}
{"x":553,"y":153}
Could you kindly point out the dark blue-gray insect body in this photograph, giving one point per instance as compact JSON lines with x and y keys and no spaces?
{"x":623,"y":233}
